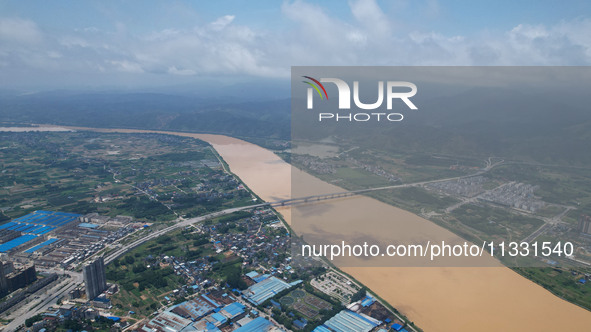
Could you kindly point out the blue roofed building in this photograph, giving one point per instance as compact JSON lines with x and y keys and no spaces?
{"x":219,"y":319}
{"x":233,"y":311}
{"x":48,"y":218}
{"x":41,"y":245}
{"x":206,"y":324}
{"x":259,"y":324}
{"x":261,"y":277}
{"x":348,"y":321}
{"x":194,"y":309}
{"x":211,"y":322}
{"x":321,"y":328}
{"x":166,"y":322}
{"x":300,"y":323}
{"x":33,"y":225}
{"x":252,"y":274}
{"x":7,"y":246}
{"x":264,"y":290}
{"x":367,"y":301}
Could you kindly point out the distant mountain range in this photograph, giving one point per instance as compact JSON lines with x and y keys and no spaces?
{"x":150,"y":110}
{"x":476,"y":122}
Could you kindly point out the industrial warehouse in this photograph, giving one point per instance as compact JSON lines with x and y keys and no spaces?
{"x":61,"y":239}
{"x":32,"y":227}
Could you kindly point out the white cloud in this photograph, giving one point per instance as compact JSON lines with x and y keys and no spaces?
{"x":369,"y":15}
{"x":313,"y":36}
{"x":560,"y":44}
{"x":126,"y":66}
{"x":19,"y":30}
{"x":222,"y":22}
{"x":530,"y":31}
{"x":73,"y":41}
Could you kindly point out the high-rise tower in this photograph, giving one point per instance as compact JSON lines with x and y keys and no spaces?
{"x":95,"y":278}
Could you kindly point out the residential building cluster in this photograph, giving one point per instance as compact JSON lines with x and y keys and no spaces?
{"x":376,"y":170}
{"x":466,"y":187}
{"x":516,"y":195}
{"x":261,"y":240}
{"x":314,"y":164}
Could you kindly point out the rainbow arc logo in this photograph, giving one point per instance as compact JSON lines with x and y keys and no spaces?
{"x":316,"y":87}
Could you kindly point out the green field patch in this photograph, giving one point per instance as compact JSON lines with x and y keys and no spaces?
{"x":414,"y":199}
{"x":359,"y":177}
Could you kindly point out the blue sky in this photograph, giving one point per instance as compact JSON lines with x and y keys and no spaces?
{"x":77,"y":44}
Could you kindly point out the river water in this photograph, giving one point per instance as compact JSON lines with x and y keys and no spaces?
{"x":435,"y":298}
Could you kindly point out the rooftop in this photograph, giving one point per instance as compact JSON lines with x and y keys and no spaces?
{"x":194,"y":309}
{"x":166,"y":322}
{"x":264,"y":290}
{"x":16,"y":242}
{"x":348,"y":321}
{"x":233,"y":310}
{"x":259,"y":324}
